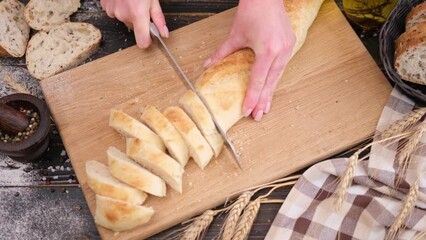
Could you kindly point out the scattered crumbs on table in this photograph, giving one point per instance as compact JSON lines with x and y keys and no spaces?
{"x":14,"y":173}
{"x":68,"y":160}
{"x":68,"y":169}
{"x":63,"y":153}
{"x":57,"y":167}
{"x":62,"y":168}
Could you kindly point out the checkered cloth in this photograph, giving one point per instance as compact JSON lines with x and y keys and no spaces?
{"x":373,"y":201}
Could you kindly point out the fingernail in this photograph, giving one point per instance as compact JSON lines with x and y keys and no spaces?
{"x":166,"y":31}
{"x":258,"y":116}
{"x":247,"y":112}
{"x":207,"y":62}
{"x":268,"y":107}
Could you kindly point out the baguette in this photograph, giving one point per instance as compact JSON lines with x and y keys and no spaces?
{"x":126,"y":170}
{"x":103,"y":183}
{"x":199,"y":149}
{"x":130,"y":127}
{"x":161,"y":125}
{"x":62,"y":48}
{"x":416,"y":15}
{"x":195,"y":108}
{"x":47,"y":14}
{"x":156,"y":161}
{"x":118,"y":215}
{"x":410,"y":54}
{"x":14,"y":30}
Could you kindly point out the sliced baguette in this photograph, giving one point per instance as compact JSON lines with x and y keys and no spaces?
{"x":199,"y":149}
{"x":195,"y":108}
{"x":130,"y":127}
{"x":103,"y":183}
{"x":126,"y":170}
{"x":47,"y":14}
{"x":118,"y":215}
{"x":14,"y":30}
{"x":410,"y":54}
{"x":175,"y":144}
{"x":62,"y":48}
{"x":416,"y":15}
{"x":156,"y":161}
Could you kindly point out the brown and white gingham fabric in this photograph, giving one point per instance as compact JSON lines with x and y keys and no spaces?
{"x":372,"y":202}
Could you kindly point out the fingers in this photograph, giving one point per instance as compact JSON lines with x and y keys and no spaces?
{"x":157,"y":17}
{"x":257,"y":81}
{"x":141,"y":29}
{"x":230,"y":46}
{"x":108,"y":6}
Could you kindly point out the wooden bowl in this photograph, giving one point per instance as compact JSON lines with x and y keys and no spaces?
{"x":30,"y":149}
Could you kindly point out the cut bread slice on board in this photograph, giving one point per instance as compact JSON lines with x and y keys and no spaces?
{"x":47,"y":14}
{"x":118,"y":215}
{"x":130,"y":127}
{"x":416,"y":15}
{"x":195,"y":108}
{"x":14,"y":30}
{"x":156,"y":161}
{"x":199,"y":149}
{"x":103,"y":183}
{"x":62,"y":48}
{"x":175,"y":144}
{"x":126,"y":170}
{"x":410,"y":54}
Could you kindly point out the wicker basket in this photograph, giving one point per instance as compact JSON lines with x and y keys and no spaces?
{"x":393,"y":27}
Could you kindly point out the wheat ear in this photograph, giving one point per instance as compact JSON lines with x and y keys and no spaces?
{"x":198,"y":227}
{"x":15,"y":85}
{"x":402,"y":124}
{"x":231,"y":220}
{"x":408,"y":149}
{"x":407,"y":208}
{"x":345,"y":181}
{"x":245,"y":223}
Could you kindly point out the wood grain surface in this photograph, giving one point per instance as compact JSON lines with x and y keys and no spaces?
{"x":329,"y":99}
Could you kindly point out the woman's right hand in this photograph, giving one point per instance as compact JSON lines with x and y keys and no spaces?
{"x":137,"y":14}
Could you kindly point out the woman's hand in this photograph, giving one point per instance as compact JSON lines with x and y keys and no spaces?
{"x":136,"y":14}
{"x":262,"y":25}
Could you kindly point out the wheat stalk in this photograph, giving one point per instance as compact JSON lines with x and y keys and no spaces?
{"x":245,"y":223}
{"x":234,"y":214}
{"x":420,"y":236}
{"x":199,"y":226}
{"x":15,"y":85}
{"x":345,"y":181}
{"x":402,"y":124}
{"x":408,"y":149}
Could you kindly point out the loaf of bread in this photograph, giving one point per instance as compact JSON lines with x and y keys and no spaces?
{"x":128,"y":171}
{"x":195,"y":108}
{"x":119,"y":215}
{"x":103,"y":183}
{"x":130,"y":127}
{"x":62,"y":48}
{"x":199,"y":149}
{"x":14,"y":30}
{"x":156,"y":161}
{"x":47,"y":14}
{"x":410,"y":54}
{"x":175,"y":144}
{"x":416,"y":15}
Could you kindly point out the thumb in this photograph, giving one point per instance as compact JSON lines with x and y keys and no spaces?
{"x":226,"y":49}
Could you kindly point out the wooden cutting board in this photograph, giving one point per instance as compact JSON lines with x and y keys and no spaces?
{"x":329,"y":99}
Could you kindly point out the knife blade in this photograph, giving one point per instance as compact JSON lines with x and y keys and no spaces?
{"x":154,"y":31}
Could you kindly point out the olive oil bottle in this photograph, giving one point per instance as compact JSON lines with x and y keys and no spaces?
{"x":368,"y":14}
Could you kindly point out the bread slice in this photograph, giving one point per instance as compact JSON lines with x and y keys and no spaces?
{"x":130,"y":127}
{"x":62,"y":48}
{"x":416,"y":15}
{"x":103,"y":183}
{"x":199,"y":149}
{"x":14,"y":30}
{"x":410,"y":54}
{"x":126,"y":170}
{"x":47,"y":14}
{"x":118,"y":215}
{"x":156,"y":161}
{"x":175,"y":144}
{"x":195,"y":108}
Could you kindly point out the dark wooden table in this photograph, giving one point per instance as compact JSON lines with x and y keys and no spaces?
{"x":43,"y":200}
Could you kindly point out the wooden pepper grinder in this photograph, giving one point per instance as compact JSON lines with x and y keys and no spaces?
{"x":12,"y":120}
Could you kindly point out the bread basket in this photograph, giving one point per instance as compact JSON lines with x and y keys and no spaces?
{"x":391,"y":30}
